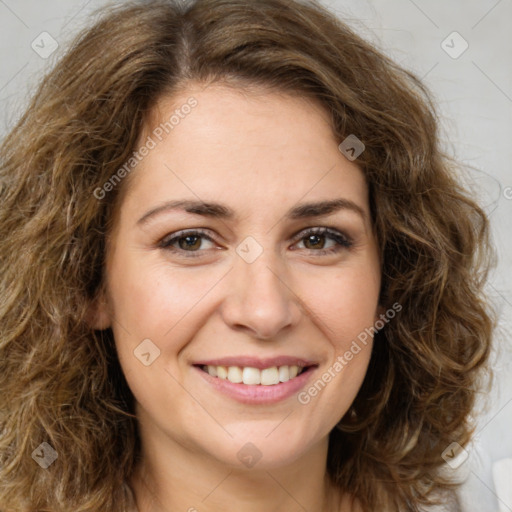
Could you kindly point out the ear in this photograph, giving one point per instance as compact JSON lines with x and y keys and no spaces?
{"x":98,"y":313}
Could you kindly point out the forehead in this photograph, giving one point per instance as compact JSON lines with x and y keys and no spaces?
{"x":237,"y":146}
{"x":234,"y":116}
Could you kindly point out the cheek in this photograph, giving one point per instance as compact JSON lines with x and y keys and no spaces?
{"x":150,"y":302}
{"x":346,"y":302}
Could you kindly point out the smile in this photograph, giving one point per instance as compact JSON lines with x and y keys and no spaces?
{"x":255,"y":381}
{"x":254,"y":376}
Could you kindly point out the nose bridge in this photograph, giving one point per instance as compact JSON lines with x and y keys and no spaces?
{"x":258,"y":297}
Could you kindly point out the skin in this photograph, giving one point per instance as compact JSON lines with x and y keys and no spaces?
{"x":260,"y":154}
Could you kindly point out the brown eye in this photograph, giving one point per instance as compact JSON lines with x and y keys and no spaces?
{"x":189,"y":242}
{"x":185,"y":242}
{"x":314,"y":240}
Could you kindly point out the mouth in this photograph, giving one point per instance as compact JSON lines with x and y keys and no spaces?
{"x":256,"y":382}
{"x":251,"y":376}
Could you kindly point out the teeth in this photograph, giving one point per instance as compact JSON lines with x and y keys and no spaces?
{"x":251,"y":376}
{"x":235,"y":374}
{"x":270,"y":376}
{"x":254,"y":376}
{"x":284,"y":373}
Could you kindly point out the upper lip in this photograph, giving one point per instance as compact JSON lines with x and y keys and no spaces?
{"x":256,"y":362}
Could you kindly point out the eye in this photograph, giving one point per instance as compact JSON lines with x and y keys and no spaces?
{"x":314,"y":237}
{"x":188,"y":242}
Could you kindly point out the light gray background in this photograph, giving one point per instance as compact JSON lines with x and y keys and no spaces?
{"x":474,"y":97}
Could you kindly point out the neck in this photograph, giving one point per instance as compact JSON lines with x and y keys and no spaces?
{"x":172,"y":477}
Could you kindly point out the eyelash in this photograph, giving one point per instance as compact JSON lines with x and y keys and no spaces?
{"x":343,"y":241}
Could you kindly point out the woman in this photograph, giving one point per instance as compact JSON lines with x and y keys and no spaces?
{"x":238,"y":272}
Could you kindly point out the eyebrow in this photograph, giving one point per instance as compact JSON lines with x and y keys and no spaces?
{"x":219,"y":211}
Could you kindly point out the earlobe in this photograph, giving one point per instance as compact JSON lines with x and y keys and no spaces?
{"x":98,"y":315}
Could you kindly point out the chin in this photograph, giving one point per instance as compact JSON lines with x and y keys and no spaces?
{"x":258,"y":447}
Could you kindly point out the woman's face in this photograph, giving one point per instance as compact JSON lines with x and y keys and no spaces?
{"x":255,"y":290}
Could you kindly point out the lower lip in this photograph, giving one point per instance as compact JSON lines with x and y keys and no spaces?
{"x":258,"y":394}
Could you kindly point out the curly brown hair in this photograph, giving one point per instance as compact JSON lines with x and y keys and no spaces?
{"x":61,"y":381}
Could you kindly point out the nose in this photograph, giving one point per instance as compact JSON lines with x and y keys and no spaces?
{"x":259,"y":298}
